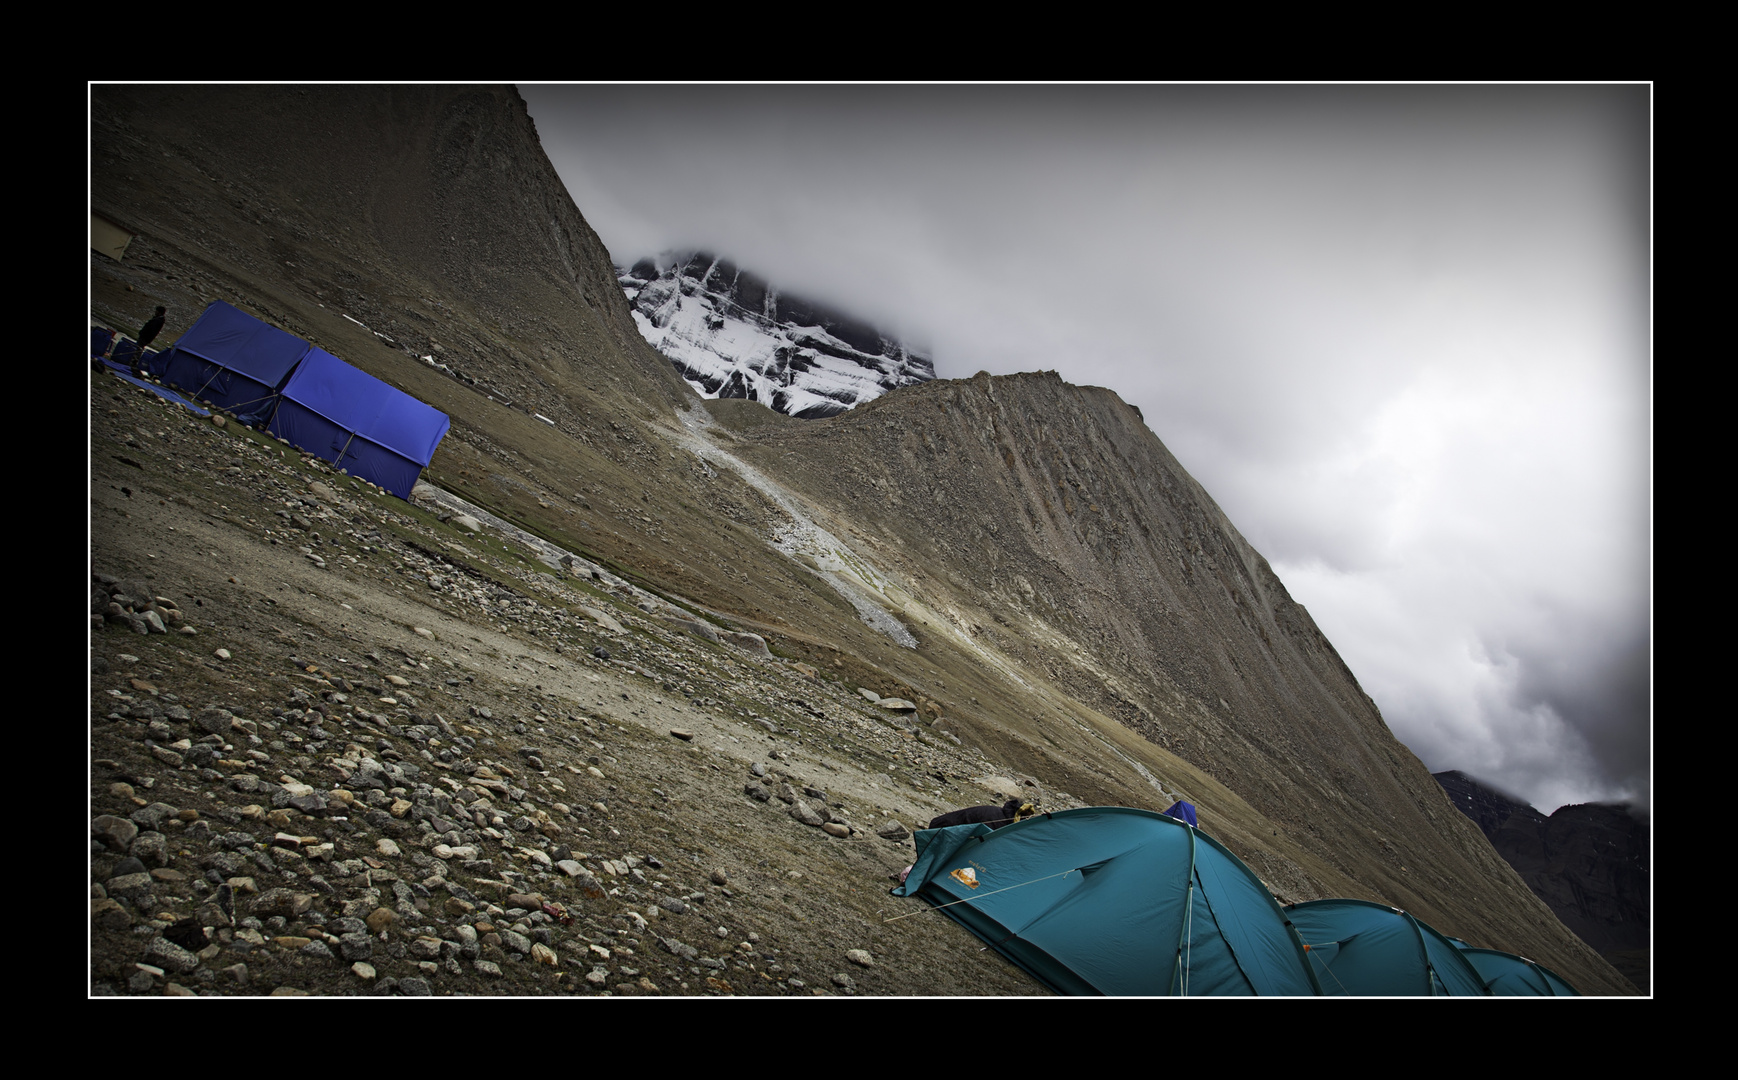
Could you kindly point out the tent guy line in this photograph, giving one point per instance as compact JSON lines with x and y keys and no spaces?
{"x":969,"y":899}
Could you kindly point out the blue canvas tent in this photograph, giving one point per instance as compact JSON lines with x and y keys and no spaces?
{"x":1184,"y":811}
{"x":306,"y":396}
{"x":230,"y":359}
{"x":1112,"y":900}
{"x":1362,"y":949}
{"x":358,"y":423}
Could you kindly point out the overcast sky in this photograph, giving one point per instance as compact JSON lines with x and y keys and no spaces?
{"x":1401,"y":334}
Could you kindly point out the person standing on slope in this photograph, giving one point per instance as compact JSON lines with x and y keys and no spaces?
{"x":147,"y":334}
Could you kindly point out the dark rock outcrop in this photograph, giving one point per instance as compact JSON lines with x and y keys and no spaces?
{"x":1590,"y":862}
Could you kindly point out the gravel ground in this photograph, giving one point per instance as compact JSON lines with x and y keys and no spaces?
{"x":387,"y":743}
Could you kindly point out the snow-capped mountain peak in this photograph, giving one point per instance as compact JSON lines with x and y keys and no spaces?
{"x":730,"y":334}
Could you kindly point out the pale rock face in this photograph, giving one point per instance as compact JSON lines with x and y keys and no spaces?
{"x":729,"y":334}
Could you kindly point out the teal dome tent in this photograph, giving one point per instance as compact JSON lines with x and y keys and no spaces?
{"x":1112,"y":900}
{"x":1361,"y":949}
{"x":1508,"y":975}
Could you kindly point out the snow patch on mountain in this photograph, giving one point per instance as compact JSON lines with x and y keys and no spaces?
{"x":730,"y":334}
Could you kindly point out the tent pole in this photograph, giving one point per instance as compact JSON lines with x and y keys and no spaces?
{"x":1185,"y":950}
{"x":200,"y":393}
{"x":338,"y":462}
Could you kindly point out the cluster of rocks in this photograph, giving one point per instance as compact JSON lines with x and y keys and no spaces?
{"x":812,"y":808}
{"x":381,"y":873}
{"x":905,"y":715}
{"x":442,"y":879}
{"x":131,"y":603}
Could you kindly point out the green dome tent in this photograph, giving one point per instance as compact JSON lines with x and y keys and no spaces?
{"x":1112,"y":900}
{"x":1362,"y":949}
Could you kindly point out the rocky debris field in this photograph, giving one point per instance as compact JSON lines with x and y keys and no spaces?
{"x":342,"y":746}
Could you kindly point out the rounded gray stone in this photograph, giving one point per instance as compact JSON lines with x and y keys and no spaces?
{"x":116,"y":833}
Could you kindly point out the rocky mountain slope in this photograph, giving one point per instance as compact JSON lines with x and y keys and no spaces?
{"x":372,"y":744}
{"x":1019,"y":558}
{"x":731,"y":335}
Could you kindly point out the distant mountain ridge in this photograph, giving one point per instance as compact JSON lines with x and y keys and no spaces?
{"x":732,"y":335}
{"x":1588,"y":861}
{"x":1486,"y":806}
